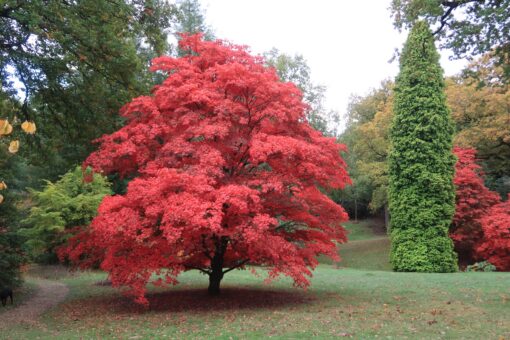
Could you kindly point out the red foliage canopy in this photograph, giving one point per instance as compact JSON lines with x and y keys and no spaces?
{"x":473,"y":201}
{"x":495,"y":246}
{"x":227,"y":172}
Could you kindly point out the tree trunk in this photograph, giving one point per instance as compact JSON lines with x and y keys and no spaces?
{"x":217,"y":268}
{"x":386,"y":218}
{"x":214,"y":283}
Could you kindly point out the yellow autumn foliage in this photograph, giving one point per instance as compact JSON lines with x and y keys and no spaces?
{"x":5,"y":127}
{"x":14,"y":146}
{"x":28,"y":127}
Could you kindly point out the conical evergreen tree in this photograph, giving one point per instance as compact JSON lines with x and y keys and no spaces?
{"x":421,"y":162}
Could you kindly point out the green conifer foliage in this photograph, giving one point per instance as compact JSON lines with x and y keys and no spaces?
{"x":421,"y":163}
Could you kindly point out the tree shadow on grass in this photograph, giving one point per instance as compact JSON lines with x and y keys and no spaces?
{"x":231,"y":298}
{"x":188,"y":300}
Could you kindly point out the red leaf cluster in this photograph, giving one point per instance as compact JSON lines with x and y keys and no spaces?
{"x":226,"y":168}
{"x":495,"y":246}
{"x":473,"y":201}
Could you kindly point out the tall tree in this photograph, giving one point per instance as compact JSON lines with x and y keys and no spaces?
{"x":421,"y":163}
{"x":467,"y":27}
{"x":228,"y":173}
{"x":75,"y":64}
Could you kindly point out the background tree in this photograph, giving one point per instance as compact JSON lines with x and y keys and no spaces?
{"x":366,"y":137}
{"x":228,"y":173}
{"x":11,"y":258}
{"x":468,"y":27}
{"x":355,"y":198}
{"x":296,"y":70}
{"x":482,"y":119}
{"x":190,"y":19}
{"x":495,"y":246}
{"x":372,"y":150}
{"x":76,"y":63}
{"x":58,"y":209}
{"x":472,"y":202}
{"x":14,"y":174}
{"x":421,"y":163}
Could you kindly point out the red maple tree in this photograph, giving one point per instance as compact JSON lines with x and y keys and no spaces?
{"x":473,"y":201}
{"x":495,"y":246}
{"x":227,"y":172}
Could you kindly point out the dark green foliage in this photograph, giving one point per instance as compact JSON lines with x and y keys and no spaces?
{"x":421,"y":163}
{"x":190,"y":19}
{"x":61,"y":206}
{"x":14,"y":172}
{"x":467,"y":27}
{"x":78,"y":62}
{"x":11,"y":258}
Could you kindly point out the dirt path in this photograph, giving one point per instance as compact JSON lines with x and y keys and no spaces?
{"x":48,"y":294}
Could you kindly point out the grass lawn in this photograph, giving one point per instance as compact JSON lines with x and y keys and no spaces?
{"x":365,"y":229}
{"x":341,"y":302}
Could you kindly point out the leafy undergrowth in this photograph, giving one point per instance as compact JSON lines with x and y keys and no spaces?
{"x":340,"y":302}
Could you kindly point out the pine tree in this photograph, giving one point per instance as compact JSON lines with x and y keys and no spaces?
{"x":421,"y":163}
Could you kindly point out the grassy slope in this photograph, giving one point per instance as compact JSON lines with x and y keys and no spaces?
{"x":368,"y":247}
{"x":340,"y":302}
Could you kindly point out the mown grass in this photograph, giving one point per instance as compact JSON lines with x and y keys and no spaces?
{"x":341,"y":302}
{"x":365,"y":229}
{"x":368,"y":247}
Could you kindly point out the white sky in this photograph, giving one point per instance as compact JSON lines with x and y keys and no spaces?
{"x":347,"y":44}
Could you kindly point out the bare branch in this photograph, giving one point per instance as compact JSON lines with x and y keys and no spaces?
{"x":200,"y":269}
{"x":240,"y":264}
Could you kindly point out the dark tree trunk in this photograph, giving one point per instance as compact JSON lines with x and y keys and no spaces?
{"x":214,"y":283}
{"x":386,"y":218}
{"x":216,"y":273}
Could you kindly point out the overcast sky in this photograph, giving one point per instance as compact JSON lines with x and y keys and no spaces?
{"x":347,"y":43}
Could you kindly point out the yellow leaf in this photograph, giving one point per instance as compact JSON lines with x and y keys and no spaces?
{"x":3,"y":186}
{"x":5,"y":127}
{"x":14,"y":146}
{"x":28,"y":127}
{"x":1,"y":199}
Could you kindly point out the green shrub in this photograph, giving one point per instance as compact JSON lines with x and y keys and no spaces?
{"x":484,"y":266}
{"x":70,"y":202}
